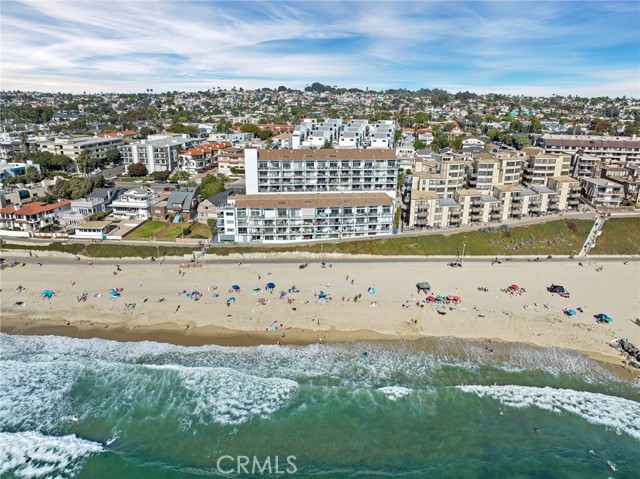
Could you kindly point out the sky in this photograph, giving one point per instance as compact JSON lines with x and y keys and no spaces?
{"x":516,"y":47}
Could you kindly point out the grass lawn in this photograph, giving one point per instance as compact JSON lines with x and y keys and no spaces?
{"x":561,"y":237}
{"x":103,"y":250}
{"x":149,"y":229}
{"x":619,"y":236}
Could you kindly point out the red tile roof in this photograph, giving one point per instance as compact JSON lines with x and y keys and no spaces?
{"x":36,"y":207}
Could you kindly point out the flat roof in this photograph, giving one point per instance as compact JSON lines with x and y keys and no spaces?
{"x":423,"y":195}
{"x":563,"y":179}
{"x":315,"y":200}
{"x":327,"y":154}
{"x":508,"y":187}
{"x":96,"y":225}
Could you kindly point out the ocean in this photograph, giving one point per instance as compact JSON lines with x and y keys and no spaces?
{"x":439,"y":408}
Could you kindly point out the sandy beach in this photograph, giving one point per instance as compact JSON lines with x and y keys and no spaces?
{"x":157,"y":301}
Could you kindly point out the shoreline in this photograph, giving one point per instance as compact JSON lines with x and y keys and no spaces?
{"x":373,"y":300}
{"x":174,"y":334}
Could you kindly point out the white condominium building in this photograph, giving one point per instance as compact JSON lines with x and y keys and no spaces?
{"x":73,"y":146}
{"x":299,"y":217}
{"x":320,"y":171}
{"x":160,"y":153}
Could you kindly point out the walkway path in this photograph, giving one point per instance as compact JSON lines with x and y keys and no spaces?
{"x":593,"y":234}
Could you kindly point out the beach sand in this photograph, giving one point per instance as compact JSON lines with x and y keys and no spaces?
{"x":163,"y":312}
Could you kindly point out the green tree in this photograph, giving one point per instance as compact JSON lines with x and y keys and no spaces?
{"x":327,"y":145}
{"x":83,"y":161}
{"x":113,"y":156}
{"x":213,"y":226}
{"x":137,"y":169}
{"x":419,"y":145}
{"x":32,"y":175}
{"x":161,"y":175}
{"x":211,"y":185}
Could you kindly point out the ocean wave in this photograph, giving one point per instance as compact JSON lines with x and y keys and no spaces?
{"x":226,"y":396}
{"x":31,"y":454}
{"x":395,"y":392}
{"x":35,"y":395}
{"x":621,"y":415}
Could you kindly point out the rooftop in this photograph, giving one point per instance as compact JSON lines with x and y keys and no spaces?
{"x":327,"y":154}
{"x":316,"y":200}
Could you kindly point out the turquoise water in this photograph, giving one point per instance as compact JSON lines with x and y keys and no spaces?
{"x":413,"y":410}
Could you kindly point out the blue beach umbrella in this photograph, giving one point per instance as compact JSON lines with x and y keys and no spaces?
{"x":571,"y":312}
{"x":604,"y":317}
{"x":232,"y":299}
{"x":270,"y":286}
{"x":235,"y":287}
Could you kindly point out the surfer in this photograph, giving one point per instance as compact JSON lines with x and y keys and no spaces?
{"x":537,"y":431}
{"x":74,"y":418}
{"x":592,"y":452}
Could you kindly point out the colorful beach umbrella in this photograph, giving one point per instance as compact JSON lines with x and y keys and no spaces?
{"x":515,"y":286}
{"x":431,"y":298}
{"x":232,"y":299}
{"x":271,"y":285}
{"x":236,"y":287}
{"x":457,"y":298}
{"x":571,"y":312}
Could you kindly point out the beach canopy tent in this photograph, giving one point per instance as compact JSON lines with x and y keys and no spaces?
{"x":271,"y":285}
{"x":603,"y":318}
{"x":556,"y":288}
{"x":47,"y":293}
{"x":423,"y":286}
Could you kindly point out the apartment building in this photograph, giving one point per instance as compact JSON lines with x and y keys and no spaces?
{"x":158,"y":152}
{"x":600,"y":192}
{"x":72,"y":146}
{"x":568,"y":190}
{"x":610,"y":149}
{"x":320,"y":171}
{"x":230,"y":158}
{"x":583,"y":164}
{"x":261,"y":218}
{"x":540,"y":166}
{"x":477,"y":207}
{"x":201,"y":158}
{"x":442,"y":174}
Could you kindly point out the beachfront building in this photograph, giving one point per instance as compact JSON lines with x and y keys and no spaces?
{"x":428,"y":210}
{"x":72,"y":146}
{"x":321,"y":171}
{"x":540,"y":166}
{"x":135,"y":204}
{"x":477,"y":207}
{"x":601,"y":192}
{"x":208,"y":209}
{"x":94,"y":230}
{"x":610,"y":149}
{"x":32,"y":216}
{"x":583,"y":165}
{"x":202,"y":157}
{"x":183,"y":202}
{"x":157,"y":153}
{"x":568,"y":192}
{"x":440,"y":174}
{"x":258,"y":218}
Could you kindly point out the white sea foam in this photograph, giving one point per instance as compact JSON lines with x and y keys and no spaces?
{"x":226,"y":396}
{"x":395,"y":392}
{"x":33,"y":455}
{"x":35,"y":395}
{"x":619,"y":414}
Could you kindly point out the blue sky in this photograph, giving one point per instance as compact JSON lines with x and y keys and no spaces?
{"x":518,"y":47}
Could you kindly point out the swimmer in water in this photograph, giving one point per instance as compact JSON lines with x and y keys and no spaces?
{"x":74,"y":418}
{"x":592,"y":452}
{"x":537,"y":431}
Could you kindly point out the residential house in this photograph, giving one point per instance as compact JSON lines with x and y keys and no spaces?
{"x":183,"y":202}
{"x":135,"y":204}
{"x":32,"y":216}
{"x":208,"y":208}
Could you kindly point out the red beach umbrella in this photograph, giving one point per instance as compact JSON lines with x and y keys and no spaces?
{"x":431,"y":298}
{"x":457,"y":298}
